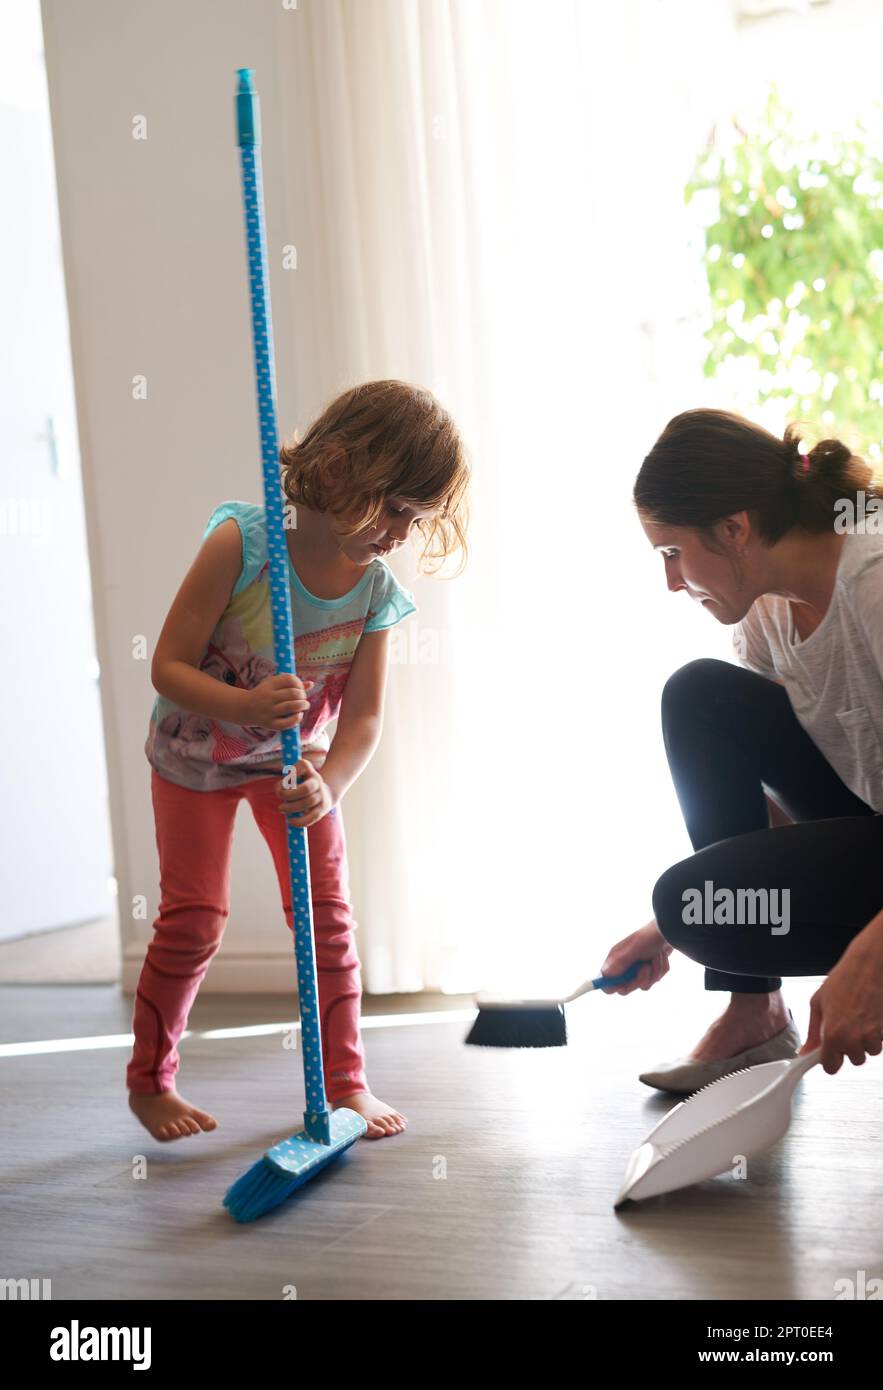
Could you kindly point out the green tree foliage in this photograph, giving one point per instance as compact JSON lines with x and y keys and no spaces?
{"x":794,"y":259}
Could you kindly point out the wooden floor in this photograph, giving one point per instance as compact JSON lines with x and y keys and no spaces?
{"x":502,"y":1187}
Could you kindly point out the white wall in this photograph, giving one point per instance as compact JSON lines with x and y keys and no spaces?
{"x":55,"y":853}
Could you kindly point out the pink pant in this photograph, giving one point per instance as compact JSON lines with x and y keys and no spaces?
{"x":194,"y":836}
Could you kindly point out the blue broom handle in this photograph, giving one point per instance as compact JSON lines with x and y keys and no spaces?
{"x":317,"y":1121}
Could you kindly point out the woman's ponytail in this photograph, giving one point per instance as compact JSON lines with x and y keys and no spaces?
{"x":708,"y":464}
{"x":824,"y":476}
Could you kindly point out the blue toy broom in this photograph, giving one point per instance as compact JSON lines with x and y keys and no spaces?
{"x":293,"y":1161}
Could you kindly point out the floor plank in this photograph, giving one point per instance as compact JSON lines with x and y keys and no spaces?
{"x":501,"y":1188}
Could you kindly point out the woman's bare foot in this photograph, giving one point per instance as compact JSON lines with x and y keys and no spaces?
{"x":170,"y":1116}
{"x":382,"y":1119}
{"x":747,"y":1021}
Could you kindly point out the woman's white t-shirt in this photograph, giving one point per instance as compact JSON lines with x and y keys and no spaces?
{"x":834,"y":677}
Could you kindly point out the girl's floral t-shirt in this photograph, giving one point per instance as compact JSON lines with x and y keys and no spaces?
{"x":203,"y":753}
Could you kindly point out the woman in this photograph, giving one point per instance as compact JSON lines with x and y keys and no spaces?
{"x":777,"y":762}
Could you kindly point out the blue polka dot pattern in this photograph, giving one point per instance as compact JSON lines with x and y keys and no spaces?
{"x":290,"y":1163}
{"x":317,"y":1117}
{"x":298,"y":1155}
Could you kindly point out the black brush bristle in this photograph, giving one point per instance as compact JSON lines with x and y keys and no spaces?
{"x":519,"y":1027}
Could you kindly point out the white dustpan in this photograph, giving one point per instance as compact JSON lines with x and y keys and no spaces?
{"x":740,"y":1114}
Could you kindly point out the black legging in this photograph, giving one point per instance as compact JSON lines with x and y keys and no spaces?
{"x":730,"y":733}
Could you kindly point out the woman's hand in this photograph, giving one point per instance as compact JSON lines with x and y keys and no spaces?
{"x":846,"y":1012}
{"x":279,"y":702}
{"x":647,"y":944}
{"x":309,"y":801}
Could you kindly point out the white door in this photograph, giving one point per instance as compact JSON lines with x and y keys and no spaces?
{"x":55,"y":852}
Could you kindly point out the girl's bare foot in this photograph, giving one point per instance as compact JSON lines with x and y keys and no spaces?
{"x":169,"y":1116}
{"x":382,"y":1119}
{"x":747,"y":1021}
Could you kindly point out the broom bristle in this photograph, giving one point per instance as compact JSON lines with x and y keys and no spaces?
{"x":258,"y":1191}
{"x":519,"y":1027}
{"x":291,"y":1163}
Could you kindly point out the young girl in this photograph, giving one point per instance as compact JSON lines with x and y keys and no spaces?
{"x":383,"y":458}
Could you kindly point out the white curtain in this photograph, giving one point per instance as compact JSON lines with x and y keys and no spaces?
{"x":486,"y":198}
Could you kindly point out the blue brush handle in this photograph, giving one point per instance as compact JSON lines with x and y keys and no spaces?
{"x":605,"y":981}
{"x":317,"y":1120}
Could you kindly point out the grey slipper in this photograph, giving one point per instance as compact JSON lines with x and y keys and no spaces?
{"x":686,"y":1075}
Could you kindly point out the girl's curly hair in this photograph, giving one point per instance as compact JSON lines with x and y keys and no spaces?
{"x":377,"y":440}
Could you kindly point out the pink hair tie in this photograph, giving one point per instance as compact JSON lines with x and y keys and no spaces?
{"x":805,"y":458}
